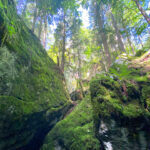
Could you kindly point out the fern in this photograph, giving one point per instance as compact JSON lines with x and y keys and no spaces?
{"x":120,"y":70}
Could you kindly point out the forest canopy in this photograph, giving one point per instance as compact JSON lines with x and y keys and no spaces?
{"x":81,"y":48}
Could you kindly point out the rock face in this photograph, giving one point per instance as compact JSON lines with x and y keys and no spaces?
{"x":116,"y":136}
{"x":121,"y":107}
{"x":32,"y":90}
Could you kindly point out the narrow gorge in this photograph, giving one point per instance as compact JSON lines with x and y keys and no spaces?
{"x":111,"y":111}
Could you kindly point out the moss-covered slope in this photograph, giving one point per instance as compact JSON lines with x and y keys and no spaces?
{"x":75,"y":132}
{"x":121,"y":104}
{"x":32,"y":90}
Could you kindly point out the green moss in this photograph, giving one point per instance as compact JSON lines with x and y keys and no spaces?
{"x":146,"y":96}
{"x":34,"y":95}
{"x":76,"y":131}
{"x":38,"y":78}
{"x":132,"y":90}
{"x":12,"y":106}
{"x":133,"y":111}
{"x":116,"y":101}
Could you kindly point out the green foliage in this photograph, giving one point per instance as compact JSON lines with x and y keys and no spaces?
{"x":147,"y":43}
{"x":11,"y":30}
{"x":140,"y":53}
{"x":1,"y":5}
{"x":120,"y":70}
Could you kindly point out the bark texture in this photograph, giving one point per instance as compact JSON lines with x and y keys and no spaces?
{"x":120,"y":42}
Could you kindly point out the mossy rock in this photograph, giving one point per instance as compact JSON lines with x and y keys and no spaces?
{"x":146,"y":96}
{"x":75,"y":132}
{"x":33,"y":95}
{"x":120,"y":110}
{"x":125,"y":102}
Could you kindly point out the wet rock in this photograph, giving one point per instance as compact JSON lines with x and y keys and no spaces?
{"x":117,"y":137}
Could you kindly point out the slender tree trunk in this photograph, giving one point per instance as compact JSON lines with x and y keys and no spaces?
{"x":79,"y":73}
{"x":147,"y":18}
{"x":69,"y":57}
{"x":24,"y":9}
{"x":129,"y":41}
{"x":64,"y":44}
{"x":113,"y":46}
{"x":136,"y":43}
{"x":74,"y":57}
{"x":59,"y":56}
{"x":40,"y":28}
{"x":128,"y":37}
{"x":35,"y":17}
{"x":58,"y":61}
{"x":140,"y":41}
{"x":120,"y":42}
{"x":100,"y":17}
{"x":45,"y":31}
{"x":104,"y":61}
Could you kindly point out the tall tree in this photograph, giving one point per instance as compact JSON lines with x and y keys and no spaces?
{"x":40,"y":27}
{"x":100,"y":18}
{"x":147,"y":18}
{"x":35,"y":16}
{"x":119,"y":38}
{"x":64,"y":42}
{"x":45,"y":31}
{"x":25,"y":8}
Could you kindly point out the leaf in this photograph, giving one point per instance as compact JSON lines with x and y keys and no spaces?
{"x":1,"y":5}
{"x":11,"y":30}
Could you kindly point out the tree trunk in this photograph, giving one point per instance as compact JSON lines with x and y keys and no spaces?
{"x":79,"y":73}
{"x":69,"y":56}
{"x":140,"y":41}
{"x":58,"y":61}
{"x":147,"y":18}
{"x":120,"y":42}
{"x":45,"y":31}
{"x":104,"y":61}
{"x":100,"y":17}
{"x":64,"y":44}
{"x":128,"y":37}
{"x":24,"y":9}
{"x":129,"y":41}
{"x":40,"y":28}
{"x":34,"y":18}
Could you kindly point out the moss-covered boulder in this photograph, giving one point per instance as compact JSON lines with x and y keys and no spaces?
{"x":75,"y":132}
{"x":32,"y":88}
{"x":120,"y":101}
